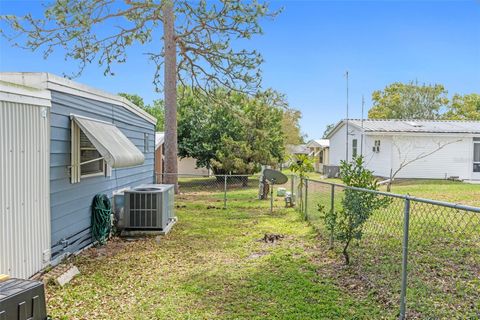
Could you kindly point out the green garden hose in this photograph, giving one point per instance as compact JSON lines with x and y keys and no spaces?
{"x":101,"y":218}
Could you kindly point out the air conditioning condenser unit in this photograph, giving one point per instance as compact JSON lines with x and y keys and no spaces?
{"x":149,"y":207}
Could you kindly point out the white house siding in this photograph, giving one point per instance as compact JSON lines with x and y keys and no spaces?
{"x":24,"y":188}
{"x":379,"y":162}
{"x":454,"y":159}
{"x":337,"y":147}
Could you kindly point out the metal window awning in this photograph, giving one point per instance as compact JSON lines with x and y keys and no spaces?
{"x":116,"y":149}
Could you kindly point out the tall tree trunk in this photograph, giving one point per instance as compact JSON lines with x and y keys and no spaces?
{"x":170,"y":90}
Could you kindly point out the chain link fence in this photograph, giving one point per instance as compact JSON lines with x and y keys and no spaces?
{"x":227,"y":191}
{"x":420,"y":258}
{"x":416,"y":253}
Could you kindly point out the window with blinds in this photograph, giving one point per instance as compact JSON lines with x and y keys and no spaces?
{"x":90,"y":159}
{"x":86,"y":161}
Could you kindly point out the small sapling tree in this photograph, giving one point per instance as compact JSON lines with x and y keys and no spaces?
{"x":357,"y":206}
{"x":301,"y":165}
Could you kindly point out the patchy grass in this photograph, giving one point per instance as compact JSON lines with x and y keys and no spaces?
{"x":444,"y":249}
{"x":213,"y":265}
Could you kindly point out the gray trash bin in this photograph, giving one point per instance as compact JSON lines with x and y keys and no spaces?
{"x":22,"y":300}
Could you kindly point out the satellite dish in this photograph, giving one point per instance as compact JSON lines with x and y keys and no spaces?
{"x":274,"y":176}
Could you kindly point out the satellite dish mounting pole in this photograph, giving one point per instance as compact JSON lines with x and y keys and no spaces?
{"x":271,"y":195}
{"x":274,"y":177}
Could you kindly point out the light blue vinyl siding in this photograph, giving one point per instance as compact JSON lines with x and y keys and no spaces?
{"x":71,"y":203}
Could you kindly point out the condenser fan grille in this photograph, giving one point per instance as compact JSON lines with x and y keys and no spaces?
{"x":143,"y":209}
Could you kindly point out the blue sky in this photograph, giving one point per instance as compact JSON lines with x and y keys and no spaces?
{"x":310,"y":45}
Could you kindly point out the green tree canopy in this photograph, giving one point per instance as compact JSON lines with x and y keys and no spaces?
{"x":133,"y":98}
{"x":157,"y":110}
{"x":328,"y":128}
{"x":291,"y":127}
{"x":408,"y":101}
{"x":233,"y":133}
{"x":196,"y":48}
{"x":466,"y":107}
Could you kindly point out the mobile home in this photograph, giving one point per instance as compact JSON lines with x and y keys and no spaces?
{"x":61,"y":144}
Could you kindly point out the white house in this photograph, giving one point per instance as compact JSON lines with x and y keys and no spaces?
{"x":424,"y":148}
{"x":319,"y":149}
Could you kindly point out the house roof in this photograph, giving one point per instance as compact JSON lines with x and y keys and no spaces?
{"x":413,"y":126}
{"x":298,"y":149}
{"x":159,"y":139}
{"x":17,"y":93}
{"x":48,"y":81}
{"x":323,"y":143}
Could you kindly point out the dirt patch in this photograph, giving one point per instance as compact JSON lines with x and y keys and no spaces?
{"x":272,"y":237}
{"x":349,"y":278}
{"x":112,"y":248}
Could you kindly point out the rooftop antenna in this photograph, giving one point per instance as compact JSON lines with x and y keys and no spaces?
{"x":346,"y":140}
{"x":361,"y":141}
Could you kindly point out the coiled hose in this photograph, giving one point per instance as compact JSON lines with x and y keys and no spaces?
{"x":101,"y":218}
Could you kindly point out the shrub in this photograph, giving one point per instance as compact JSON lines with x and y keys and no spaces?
{"x":357,"y":206}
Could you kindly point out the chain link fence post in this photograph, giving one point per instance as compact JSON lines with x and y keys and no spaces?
{"x":403,"y":293}
{"x":225,"y":192}
{"x":300,"y":195}
{"x":292,"y":182}
{"x":332,"y":210}
{"x":306,"y":198}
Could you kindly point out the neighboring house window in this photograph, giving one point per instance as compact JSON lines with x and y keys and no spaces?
{"x":91,"y":161}
{"x":376,"y":146}
{"x":354,"y":148}
{"x":145,"y":143}
{"x":320,"y":156}
{"x":476,"y":154}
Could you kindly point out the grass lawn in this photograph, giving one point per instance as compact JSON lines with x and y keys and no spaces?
{"x":443,"y":190}
{"x":214,"y":265}
{"x":444,"y":248}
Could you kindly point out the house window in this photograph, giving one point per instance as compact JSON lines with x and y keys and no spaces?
{"x":476,"y":154}
{"x":145,"y":143}
{"x":91,"y":161}
{"x":354,"y":148}
{"x":86,"y":161}
{"x":376,"y":146}
{"x":320,"y":156}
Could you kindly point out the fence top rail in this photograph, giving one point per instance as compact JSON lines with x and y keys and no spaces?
{"x":404,"y":196}
{"x":206,"y":175}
